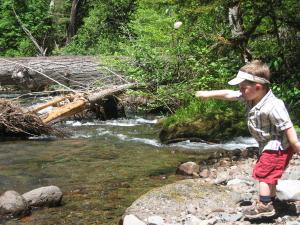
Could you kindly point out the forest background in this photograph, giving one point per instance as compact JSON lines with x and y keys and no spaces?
{"x":177,"y":46}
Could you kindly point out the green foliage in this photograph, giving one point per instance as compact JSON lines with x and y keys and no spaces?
{"x":290,"y":94}
{"x":34,"y":15}
{"x":140,"y":35}
{"x":103,"y":28}
{"x":152,"y":42}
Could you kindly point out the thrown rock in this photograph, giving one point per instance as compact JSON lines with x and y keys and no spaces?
{"x":44,"y":196}
{"x":12,"y":203}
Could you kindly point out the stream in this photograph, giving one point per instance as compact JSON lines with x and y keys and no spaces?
{"x":101,"y":168}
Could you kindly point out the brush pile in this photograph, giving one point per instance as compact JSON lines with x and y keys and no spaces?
{"x":16,"y":122}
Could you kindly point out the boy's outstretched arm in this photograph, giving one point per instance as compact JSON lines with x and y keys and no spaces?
{"x":219,"y":94}
{"x":293,"y":139}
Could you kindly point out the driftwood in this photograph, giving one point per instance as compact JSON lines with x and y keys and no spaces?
{"x":16,"y":121}
{"x":77,"y":103}
{"x":76,"y":72}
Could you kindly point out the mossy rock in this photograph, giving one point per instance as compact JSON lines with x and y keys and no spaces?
{"x":215,"y":129}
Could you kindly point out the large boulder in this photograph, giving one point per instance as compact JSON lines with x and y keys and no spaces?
{"x":288,"y":190}
{"x":175,"y":202}
{"x":214,"y":130}
{"x":12,"y":203}
{"x":44,"y":196}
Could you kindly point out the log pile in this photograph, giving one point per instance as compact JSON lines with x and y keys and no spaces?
{"x":80,"y":76}
{"x":18,"y":122}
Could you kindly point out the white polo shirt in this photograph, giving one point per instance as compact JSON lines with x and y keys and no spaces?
{"x":267,"y":121}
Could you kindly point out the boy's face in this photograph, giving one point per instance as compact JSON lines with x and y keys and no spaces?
{"x":250,"y":91}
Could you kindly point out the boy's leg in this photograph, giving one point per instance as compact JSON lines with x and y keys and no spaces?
{"x":267,"y":192}
{"x":266,"y":189}
{"x":268,"y":169}
{"x":263,"y":207}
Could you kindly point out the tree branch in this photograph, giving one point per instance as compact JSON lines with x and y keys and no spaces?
{"x":41,"y":50}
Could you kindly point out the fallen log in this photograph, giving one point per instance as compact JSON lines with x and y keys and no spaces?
{"x":76,"y":72}
{"x":16,"y":121}
{"x":47,"y":104}
{"x":66,"y":110}
{"x":79,"y":103}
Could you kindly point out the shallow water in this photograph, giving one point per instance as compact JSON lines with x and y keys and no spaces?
{"x":101,"y":169}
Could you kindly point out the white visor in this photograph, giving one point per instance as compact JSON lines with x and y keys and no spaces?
{"x":242,"y":76}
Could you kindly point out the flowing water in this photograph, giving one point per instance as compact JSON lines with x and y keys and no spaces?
{"x":101,"y":169}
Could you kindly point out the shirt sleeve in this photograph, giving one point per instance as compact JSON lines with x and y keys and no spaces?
{"x":279,"y":117}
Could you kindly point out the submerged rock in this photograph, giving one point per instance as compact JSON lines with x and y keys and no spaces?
{"x":44,"y":196}
{"x":12,"y":203}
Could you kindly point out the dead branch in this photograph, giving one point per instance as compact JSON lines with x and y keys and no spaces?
{"x":17,"y":122}
{"x":41,"y":50}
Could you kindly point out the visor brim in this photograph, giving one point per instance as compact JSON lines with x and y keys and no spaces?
{"x":236,"y":81}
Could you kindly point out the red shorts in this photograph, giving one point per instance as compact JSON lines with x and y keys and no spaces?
{"x":271,"y":165}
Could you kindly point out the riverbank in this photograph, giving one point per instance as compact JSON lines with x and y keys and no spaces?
{"x":218,"y":196}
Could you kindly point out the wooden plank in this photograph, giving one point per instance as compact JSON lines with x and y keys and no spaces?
{"x":46,"y":104}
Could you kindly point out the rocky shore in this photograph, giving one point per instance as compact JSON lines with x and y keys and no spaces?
{"x":216,"y":194}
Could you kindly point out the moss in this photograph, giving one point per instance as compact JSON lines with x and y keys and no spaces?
{"x":211,"y":121}
{"x":215,"y":130}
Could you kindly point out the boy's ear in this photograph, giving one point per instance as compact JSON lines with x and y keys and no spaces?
{"x":257,"y":87}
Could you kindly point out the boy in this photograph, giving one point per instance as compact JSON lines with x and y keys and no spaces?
{"x":269,"y":123}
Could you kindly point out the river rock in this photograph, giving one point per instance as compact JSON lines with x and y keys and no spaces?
{"x":193,"y":220}
{"x":12,"y":203}
{"x":215,"y":129}
{"x":288,"y":190}
{"x":174,"y":199}
{"x":132,"y":220}
{"x":205,"y":200}
{"x":188,"y":168}
{"x":155,"y":220}
{"x":44,"y":196}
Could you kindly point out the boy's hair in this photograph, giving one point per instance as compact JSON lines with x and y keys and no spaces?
{"x":257,"y":68}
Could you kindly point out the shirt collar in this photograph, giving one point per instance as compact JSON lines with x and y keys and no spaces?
{"x":264,"y":99}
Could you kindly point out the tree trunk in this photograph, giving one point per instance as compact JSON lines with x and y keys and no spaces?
{"x":235,"y":20}
{"x":237,"y":31}
{"x":73,"y":71}
{"x":72,"y":25}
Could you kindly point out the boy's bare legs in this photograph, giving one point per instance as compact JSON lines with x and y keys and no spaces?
{"x":267,"y":189}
